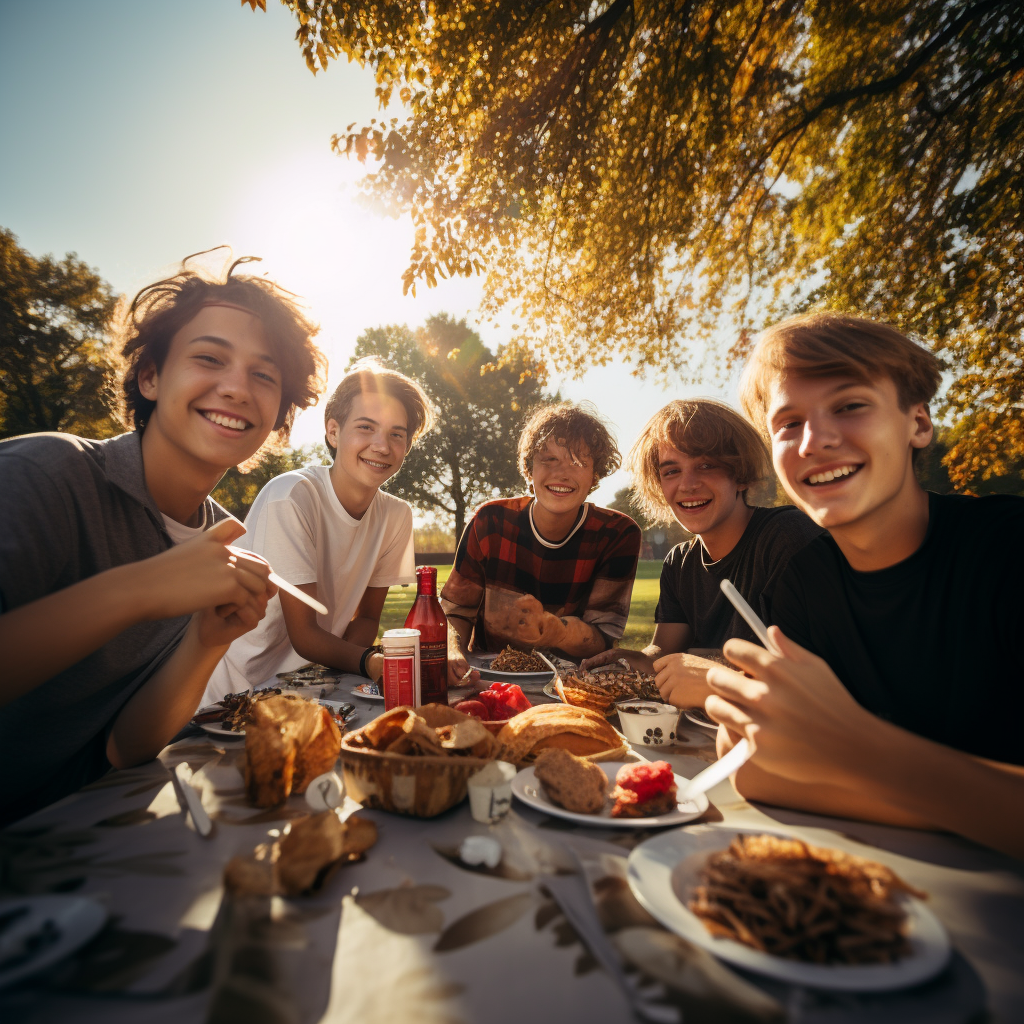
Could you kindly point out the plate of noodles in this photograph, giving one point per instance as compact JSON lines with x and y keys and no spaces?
{"x":766,"y":901}
{"x":512,"y":666}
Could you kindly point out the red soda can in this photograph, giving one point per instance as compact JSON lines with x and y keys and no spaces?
{"x":401,"y":679}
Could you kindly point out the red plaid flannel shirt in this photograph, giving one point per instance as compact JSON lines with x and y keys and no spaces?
{"x":499,"y":559}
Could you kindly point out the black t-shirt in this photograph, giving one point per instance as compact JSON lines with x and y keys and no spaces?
{"x":931,"y":643}
{"x":690,"y":581}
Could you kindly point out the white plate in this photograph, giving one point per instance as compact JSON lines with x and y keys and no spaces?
{"x":663,"y":871}
{"x":219,"y":730}
{"x":531,"y":792}
{"x":699,"y":717}
{"x":360,"y":691}
{"x":482,"y":663}
{"x":76,"y":918}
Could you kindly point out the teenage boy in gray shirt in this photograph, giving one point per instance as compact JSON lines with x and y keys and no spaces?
{"x":109,"y":626}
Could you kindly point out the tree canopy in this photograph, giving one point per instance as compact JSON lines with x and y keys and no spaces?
{"x":482,"y":399}
{"x":237,"y":490}
{"x":55,"y":365}
{"x":636,"y":177}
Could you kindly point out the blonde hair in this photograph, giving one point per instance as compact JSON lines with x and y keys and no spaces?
{"x":699,"y":427}
{"x":837,"y":345}
{"x":369,"y":376}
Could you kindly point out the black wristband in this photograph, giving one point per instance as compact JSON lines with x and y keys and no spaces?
{"x":362,"y":661}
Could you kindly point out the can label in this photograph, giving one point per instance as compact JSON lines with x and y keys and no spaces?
{"x":400,"y":682}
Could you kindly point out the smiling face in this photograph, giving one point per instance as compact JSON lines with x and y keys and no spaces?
{"x":371,"y":443}
{"x":703,"y":495}
{"x":842,"y":448}
{"x":561,"y":482}
{"x":218,"y":393}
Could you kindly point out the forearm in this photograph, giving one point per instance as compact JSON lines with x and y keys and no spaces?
{"x":753,"y":783}
{"x":459,"y":632}
{"x":323,"y":648}
{"x":581,"y":640}
{"x":957,"y":791}
{"x":162,"y":707}
{"x":362,"y":632}
{"x":43,"y":638}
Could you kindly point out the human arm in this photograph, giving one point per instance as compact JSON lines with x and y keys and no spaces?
{"x":817,"y":749}
{"x":459,"y":632}
{"x":669,"y":638}
{"x":530,"y":624}
{"x":46,"y":636}
{"x":322,"y":647}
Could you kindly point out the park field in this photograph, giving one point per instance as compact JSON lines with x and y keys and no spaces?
{"x":641,"y":609}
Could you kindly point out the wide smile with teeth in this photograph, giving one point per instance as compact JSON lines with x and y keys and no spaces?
{"x":694,"y":504}
{"x":831,"y":474}
{"x":231,"y":422}
{"x":375,"y":465}
{"x":556,"y":489}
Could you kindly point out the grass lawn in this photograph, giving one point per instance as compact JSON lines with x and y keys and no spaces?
{"x":641,"y":610}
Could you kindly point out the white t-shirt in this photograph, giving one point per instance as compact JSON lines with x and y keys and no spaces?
{"x":301,"y":528}
{"x":179,"y":532}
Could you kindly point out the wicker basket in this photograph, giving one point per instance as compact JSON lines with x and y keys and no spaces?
{"x":421,"y":786}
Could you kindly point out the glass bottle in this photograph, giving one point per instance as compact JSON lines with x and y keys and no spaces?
{"x":426,"y":616}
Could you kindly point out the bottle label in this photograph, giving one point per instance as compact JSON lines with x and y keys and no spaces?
{"x":437,"y":651}
{"x":400,"y":682}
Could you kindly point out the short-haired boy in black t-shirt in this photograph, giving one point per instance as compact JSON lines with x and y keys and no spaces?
{"x":898,"y":696}
{"x":694,"y":463}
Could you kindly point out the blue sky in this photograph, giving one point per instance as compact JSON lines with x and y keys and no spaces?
{"x":136,"y":132}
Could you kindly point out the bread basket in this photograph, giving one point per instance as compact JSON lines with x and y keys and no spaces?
{"x":419,"y":785}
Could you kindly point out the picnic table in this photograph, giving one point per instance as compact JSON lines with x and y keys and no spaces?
{"x":412,"y":935}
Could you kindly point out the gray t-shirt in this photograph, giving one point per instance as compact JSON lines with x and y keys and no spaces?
{"x":690,"y":581}
{"x":71,"y":508}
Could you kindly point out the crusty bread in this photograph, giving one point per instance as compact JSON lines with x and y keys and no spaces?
{"x":572,"y":782}
{"x":585,"y":733}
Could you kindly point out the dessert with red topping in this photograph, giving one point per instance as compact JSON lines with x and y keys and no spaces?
{"x":644,"y":790}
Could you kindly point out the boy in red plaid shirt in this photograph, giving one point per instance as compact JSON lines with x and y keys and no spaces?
{"x":549,"y":569}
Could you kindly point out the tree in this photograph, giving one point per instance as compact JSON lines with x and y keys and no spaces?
{"x":55,"y":364}
{"x":659,"y":538}
{"x":237,"y":489}
{"x":633,"y":173}
{"x":482,"y":399}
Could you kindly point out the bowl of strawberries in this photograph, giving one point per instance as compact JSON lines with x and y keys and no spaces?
{"x":496,"y":705}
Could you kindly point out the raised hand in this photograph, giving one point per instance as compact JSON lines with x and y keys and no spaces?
{"x":532,"y":625}
{"x":226,"y":588}
{"x":801,"y":719}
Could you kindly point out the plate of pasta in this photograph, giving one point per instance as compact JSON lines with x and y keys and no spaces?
{"x":767,"y":901}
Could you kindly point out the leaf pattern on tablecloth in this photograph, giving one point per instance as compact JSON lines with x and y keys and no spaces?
{"x":407,"y":910}
{"x":112,"y":961}
{"x":503,"y":870}
{"x":140,"y":816}
{"x":484,"y":922}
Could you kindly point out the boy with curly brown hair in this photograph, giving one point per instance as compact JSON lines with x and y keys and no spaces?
{"x":119,"y":592}
{"x":548,"y":569}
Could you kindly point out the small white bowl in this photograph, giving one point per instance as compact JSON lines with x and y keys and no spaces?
{"x":650,"y":725}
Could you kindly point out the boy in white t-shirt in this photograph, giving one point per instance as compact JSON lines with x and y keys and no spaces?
{"x":332,"y":532}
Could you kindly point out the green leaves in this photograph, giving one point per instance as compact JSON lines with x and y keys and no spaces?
{"x":656,"y":181}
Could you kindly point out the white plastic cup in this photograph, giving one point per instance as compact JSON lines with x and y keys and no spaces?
{"x":489,"y":802}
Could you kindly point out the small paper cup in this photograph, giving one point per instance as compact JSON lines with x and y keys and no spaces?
{"x":649,"y":723}
{"x":489,"y":803}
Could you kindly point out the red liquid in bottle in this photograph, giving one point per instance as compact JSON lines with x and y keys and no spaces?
{"x":426,"y":616}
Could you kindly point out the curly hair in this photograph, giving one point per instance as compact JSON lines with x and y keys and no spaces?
{"x":161,"y":309}
{"x":369,"y":376}
{"x":576,"y":428}
{"x":698,"y":427}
